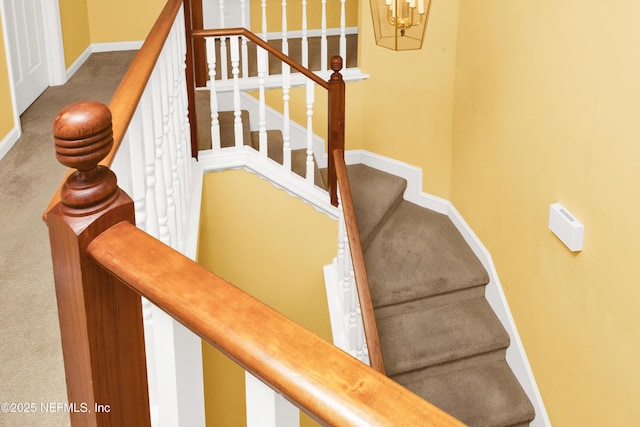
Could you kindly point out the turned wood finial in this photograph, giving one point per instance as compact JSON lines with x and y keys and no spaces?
{"x":336,"y":63}
{"x":83,"y":137}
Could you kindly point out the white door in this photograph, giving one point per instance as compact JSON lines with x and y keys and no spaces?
{"x":27,"y":49}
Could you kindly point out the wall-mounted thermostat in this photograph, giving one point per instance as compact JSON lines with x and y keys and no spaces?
{"x":566,"y":227}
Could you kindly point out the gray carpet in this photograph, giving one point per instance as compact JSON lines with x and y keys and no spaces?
{"x":31,"y":366}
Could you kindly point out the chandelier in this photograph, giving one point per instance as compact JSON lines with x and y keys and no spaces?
{"x":400,"y":24}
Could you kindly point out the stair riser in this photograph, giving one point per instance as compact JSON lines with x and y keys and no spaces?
{"x":453,"y":366}
{"x":430,"y":302}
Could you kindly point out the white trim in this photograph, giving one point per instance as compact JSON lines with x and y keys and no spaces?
{"x":54,"y":42}
{"x":516,"y":356}
{"x":310,"y":33}
{"x":116,"y":46}
{"x":9,"y":140}
{"x":251,"y":160}
{"x":78,"y":62}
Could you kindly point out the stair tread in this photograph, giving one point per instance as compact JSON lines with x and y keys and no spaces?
{"x":419,"y":253}
{"x":485,"y":395}
{"x":421,"y":338}
{"x":375,"y":195}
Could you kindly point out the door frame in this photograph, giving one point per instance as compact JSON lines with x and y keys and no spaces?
{"x":55,"y":59}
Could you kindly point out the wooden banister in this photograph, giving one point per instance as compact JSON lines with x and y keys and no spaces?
{"x":359,"y":271}
{"x":100,"y":320}
{"x":328,"y":384}
{"x":228,"y":32}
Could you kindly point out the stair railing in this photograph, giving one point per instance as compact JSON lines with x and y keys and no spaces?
{"x":354,"y":267}
{"x":150,"y":148}
{"x":309,"y":28}
{"x":103,"y":263}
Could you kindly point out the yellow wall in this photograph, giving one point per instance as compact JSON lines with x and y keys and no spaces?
{"x":274,"y":247}
{"x":404,"y":111}
{"x":122,"y":20}
{"x":6,"y":107}
{"x":546,"y":110}
{"x":75,"y":29}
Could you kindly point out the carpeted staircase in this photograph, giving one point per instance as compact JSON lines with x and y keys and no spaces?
{"x":439,"y":336}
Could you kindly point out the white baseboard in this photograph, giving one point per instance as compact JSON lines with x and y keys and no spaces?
{"x":9,"y":140}
{"x":78,"y":62}
{"x":516,"y":355}
{"x":116,"y":47}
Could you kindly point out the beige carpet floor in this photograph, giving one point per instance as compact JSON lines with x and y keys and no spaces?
{"x":31,"y":366}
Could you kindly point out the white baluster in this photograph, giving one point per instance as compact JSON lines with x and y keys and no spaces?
{"x":224,"y":71}
{"x":213,"y":94}
{"x":352,"y":324}
{"x":286,"y":130}
{"x":358,"y":317}
{"x":343,"y":287}
{"x":149,"y":346}
{"x":148,"y":138}
{"x":160,"y":186}
{"x":323,"y":39}
{"x":343,"y":32}
{"x":166,"y":153}
{"x":170,"y":63}
{"x":245,"y":49}
{"x":179,"y":89}
{"x":262,"y":114}
{"x":137,"y":156}
{"x":264,"y":31}
{"x":310,"y":175}
{"x":285,"y":40}
{"x":305,"y":40}
{"x":237,"y":108}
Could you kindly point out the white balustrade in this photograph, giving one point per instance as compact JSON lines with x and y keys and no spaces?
{"x":237,"y":108}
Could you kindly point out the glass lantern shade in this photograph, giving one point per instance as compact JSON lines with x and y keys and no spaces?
{"x":400,"y":24}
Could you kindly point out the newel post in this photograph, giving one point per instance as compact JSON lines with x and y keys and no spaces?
{"x":100,"y":318}
{"x":336,"y":123}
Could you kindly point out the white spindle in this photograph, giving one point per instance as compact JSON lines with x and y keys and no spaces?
{"x":170,"y":63}
{"x":160,"y":187}
{"x":353,"y":323}
{"x":310,"y":175}
{"x":213,"y":94}
{"x":224,"y":71}
{"x":138,"y":178}
{"x":166,"y":151}
{"x":237,"y":109}
{"x":286,"y":125}
{"x":262,"y":113}
{"x":148,"y":138}
{"x":343,"y":32}
{"x":323,"y":39}
{"x":264,"y":31}
{"x":285,"y":40}
{"x":245,"y":49}
{"x":305,"y":40}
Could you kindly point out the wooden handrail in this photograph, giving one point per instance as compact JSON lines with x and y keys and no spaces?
{"x":228,"y":32}
{"x":331,"y":386}
{"x":128,"y":94}
{"x":359,"y":271}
